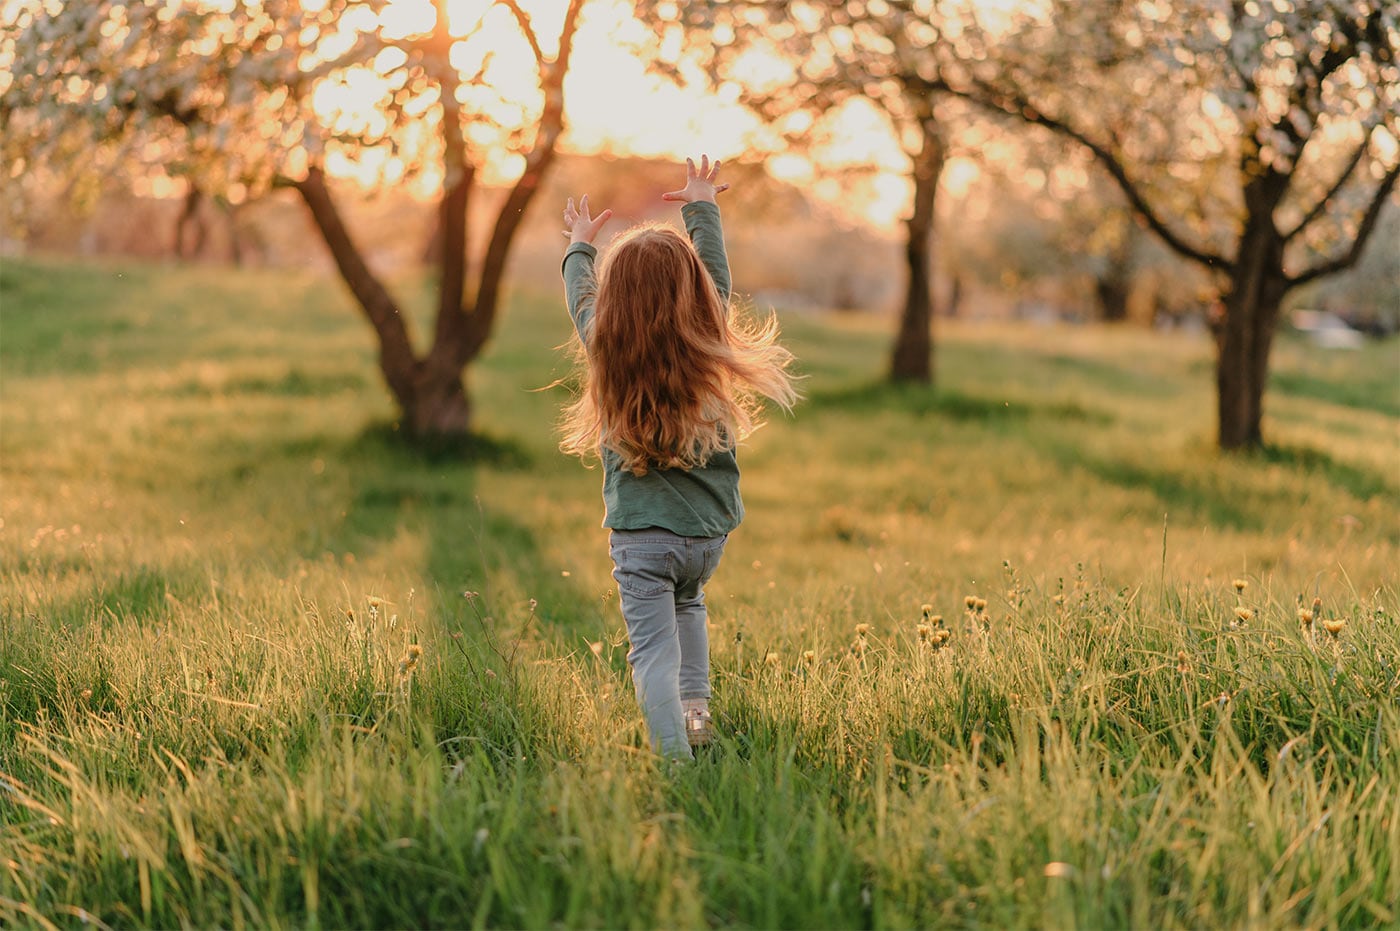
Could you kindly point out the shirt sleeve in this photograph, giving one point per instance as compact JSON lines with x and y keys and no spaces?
{"x":579,"y":285}
{"x":703,"y":224}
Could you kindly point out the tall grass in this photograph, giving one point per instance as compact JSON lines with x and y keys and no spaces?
{"x":980,"y":655}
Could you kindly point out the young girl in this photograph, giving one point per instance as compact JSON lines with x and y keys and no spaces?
{"x":670,"y":387}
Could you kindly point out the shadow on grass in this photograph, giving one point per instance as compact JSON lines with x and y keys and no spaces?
{"x":1178,"y":493}
{"x":1199,"y":492}
{"x":471,"y":542}
{"x":924,"y":400}
{"x":1355,"y":481}
{"x":1360,"y":395}
{"x":1113,"y":378}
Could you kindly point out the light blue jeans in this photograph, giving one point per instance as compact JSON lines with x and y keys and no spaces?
{"x":661,"y":579}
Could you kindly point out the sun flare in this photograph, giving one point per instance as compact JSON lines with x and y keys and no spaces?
{"x":614,"y":103}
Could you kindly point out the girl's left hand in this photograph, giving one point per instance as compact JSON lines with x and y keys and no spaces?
{"x":578,"y":225}
{"x":701,"y":184}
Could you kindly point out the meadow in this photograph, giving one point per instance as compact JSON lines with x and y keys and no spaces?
{"x":1021,"y":651}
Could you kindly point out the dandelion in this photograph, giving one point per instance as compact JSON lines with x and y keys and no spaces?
{"x":942,"y":636}
{"x":1240,"y":585}
{"x":862,"y":630}
{"x":809,"y":657}
{"x":1183,"y":662}
{"x":926,"y":610}
{"x":1334,"y":627}
{"x":409,"y":661}
{"x":980,"y":605}
{"x":925,"y":632}
{"x":1243,"y":614}
{"x":971,"y":602}
{"x":1305,"y":618}
{"x":936,"y":620}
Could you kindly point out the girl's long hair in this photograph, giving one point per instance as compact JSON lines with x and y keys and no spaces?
{"x":671,"y":378}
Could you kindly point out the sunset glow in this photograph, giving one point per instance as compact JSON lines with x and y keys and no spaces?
{"x":613,"y":104}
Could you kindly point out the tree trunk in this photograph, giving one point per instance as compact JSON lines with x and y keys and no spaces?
{"x":1257,"y":288}
{"x":396,"y":359}
{"x":912,"y":358}
{"x":440,"y":406}
{"x":1113,"y":285}
{"x":955,"y":298}
{"x":191,"y":245}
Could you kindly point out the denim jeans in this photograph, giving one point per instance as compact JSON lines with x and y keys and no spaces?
{"x":661,"y":579}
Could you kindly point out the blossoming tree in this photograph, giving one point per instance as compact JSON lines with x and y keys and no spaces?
{"x":242,"y":97}
{"x":794,"y":63}
{"x":1258,"y":138}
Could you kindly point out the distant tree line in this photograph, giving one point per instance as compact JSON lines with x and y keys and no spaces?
{"x":1259,"y":141}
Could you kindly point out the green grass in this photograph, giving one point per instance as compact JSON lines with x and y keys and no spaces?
{"x":214,"y":554}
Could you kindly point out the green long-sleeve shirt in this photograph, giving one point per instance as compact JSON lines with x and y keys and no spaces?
{"x":699,"y":502}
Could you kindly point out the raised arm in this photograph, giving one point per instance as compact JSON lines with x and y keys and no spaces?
{"x":701,"y":216}
{"x":580,"y":285}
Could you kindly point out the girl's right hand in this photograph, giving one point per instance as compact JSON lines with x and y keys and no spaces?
{"x":700,"y":184}
{"x":578,"y":225}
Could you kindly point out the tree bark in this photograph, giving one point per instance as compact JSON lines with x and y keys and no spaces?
{"x":1256,"y":291}
{"x":912,"y":358}
{"x":1111,"y":289}
{"x":396,"y":359}
{"x":1113,"y":286}
{"x":191,"y":246}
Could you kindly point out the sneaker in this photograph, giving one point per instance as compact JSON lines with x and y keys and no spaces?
{"x":697,"y":721}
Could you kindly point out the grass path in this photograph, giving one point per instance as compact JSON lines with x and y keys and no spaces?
{"x":214,"y":559}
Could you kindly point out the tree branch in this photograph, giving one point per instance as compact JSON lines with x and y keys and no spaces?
{"x":483,"y":315}
{"x":527,"y":28}
{"x":395,"y":352}
{"x":1021,"y":109}
{"x":1321,"y":206}
{"x":1363,"y":233}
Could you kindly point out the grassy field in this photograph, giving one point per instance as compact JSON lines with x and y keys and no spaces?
{"x":261,"y":667}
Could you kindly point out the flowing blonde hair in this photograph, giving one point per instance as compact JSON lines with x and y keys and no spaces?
{"x":671,"y":378}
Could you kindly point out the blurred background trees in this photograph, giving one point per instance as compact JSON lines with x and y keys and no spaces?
{"x":1256,"y":139}
{"x":1044,"y":159}
{"x":797,"y":63}
{"x":240,"y":98}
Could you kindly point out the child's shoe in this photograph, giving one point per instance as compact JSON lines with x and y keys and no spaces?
{"x":697,"y":721}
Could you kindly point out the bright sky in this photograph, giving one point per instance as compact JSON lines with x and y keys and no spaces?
{"x":613,"y":104}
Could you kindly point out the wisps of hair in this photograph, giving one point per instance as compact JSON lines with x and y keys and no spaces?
{"x":671,"y":377}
